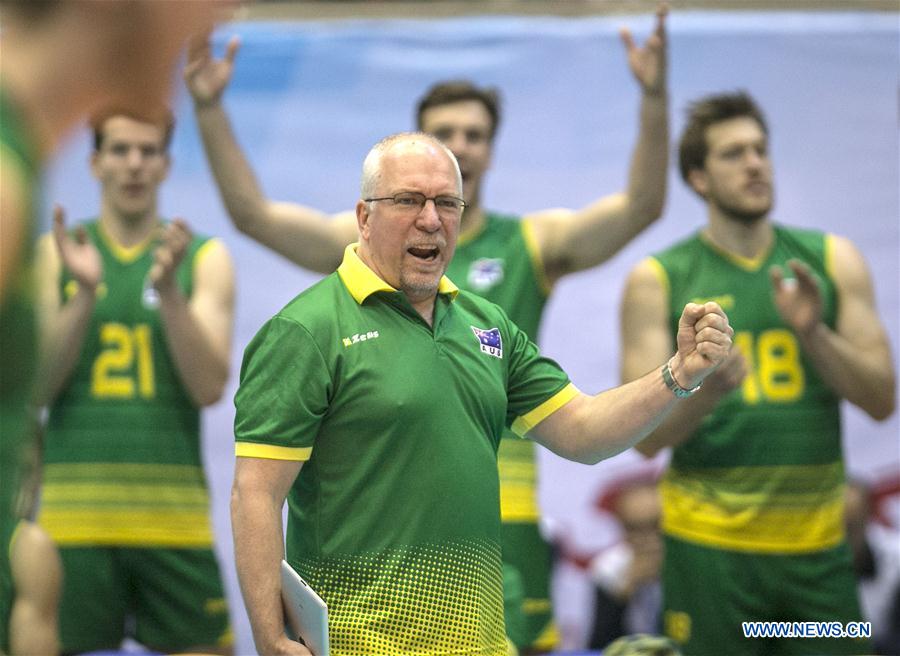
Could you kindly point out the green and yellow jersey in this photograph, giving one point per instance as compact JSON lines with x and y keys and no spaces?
{"x":502,"y":263}
{"x":123,"y":463}
{"x":394,"y":518}
{"x":764,"y":471}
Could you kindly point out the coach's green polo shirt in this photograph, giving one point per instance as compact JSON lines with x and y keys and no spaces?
{"x":394,"y":518}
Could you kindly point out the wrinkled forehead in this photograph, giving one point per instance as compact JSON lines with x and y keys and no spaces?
{"x":422,"y":161}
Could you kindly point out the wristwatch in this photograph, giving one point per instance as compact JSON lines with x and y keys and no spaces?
{"x":672,"y":384}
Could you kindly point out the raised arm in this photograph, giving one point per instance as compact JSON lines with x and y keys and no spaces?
{"x":198,"y":330}
{"x":854,"y":359}
{"x":64,"y":324}
{"x":257,"y":497}
{"x":571,"y":241}
{"x":590,"y":428}
{"x":646,"y":341}
{"x":308,"y":237}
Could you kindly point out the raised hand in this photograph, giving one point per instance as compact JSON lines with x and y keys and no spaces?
{"x":704,"y":341}
{"x":648,"y":64}
{"x":798,"y":300}
{"x":79,"y":255}
{"x":168,"y":255}
{"x":206,"y":77}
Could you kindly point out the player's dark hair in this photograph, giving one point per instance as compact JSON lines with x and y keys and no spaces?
{"x":159,"y":116}
{"x":705,"y":112}
{"x":453,"y":91}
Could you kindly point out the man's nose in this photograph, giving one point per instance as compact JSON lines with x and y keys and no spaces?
{"x":428,"y":218}
{"x":134,"y":158}
{"x":753,"y":159}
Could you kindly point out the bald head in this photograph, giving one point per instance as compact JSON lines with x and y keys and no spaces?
{"x":400,"y":145}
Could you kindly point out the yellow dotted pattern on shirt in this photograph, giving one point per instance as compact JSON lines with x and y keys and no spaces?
{"x":424,"y":600}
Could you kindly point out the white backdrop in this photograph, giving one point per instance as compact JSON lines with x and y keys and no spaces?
{"x":309,"y":99}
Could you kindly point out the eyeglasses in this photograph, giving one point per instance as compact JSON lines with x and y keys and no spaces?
{"x":413,"y":202}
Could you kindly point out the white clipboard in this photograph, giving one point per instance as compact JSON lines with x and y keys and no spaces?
{"x":305,"y":614}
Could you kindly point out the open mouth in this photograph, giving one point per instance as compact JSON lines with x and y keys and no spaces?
{"x":423,"y":253}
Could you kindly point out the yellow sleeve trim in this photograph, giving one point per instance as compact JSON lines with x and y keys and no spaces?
{"x":526,"y":422}
{"x":660,"y":273}
{"x":537,"y":262}
{"x":204,"y":249}
{"x":270,"y":452}
{"x":829,"y":255}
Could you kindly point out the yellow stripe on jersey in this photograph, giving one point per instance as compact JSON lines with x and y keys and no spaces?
{"x":130,"y":527}
{"x":126,"y":504}
{"x":798,"y":509}
{"x":531,"y":606}
{"x":226,"y":639}
{"x":271,"y":452}
{"x":518,"y":503}
{"x":204,"y":249}
{"x":534,"y":250}
{"x":128,"y":471}
{"x":516,"y":470}
{"x":518,"y":481}
{"x":105,"y":493}
{"x":660,"y":273}
{"x":549,"y":637}
{"x":526,"y":422}
{"x":829,"y":255}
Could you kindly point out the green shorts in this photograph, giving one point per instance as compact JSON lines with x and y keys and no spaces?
{"x":166,"y":599}
{"x":531,"y":558}
{"x":708,"y":593}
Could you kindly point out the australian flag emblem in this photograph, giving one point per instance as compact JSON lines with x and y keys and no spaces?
{"x":489,"y":340}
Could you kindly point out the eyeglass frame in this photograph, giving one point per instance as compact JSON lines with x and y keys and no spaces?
{"x":462,"y":203}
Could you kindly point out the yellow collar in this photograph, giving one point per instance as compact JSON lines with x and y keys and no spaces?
{"x":751,"y":264}
{"x":127,"y":254}
{"x":362,"y":282}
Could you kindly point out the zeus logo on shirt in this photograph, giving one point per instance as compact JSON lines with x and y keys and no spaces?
{"x":489,"y":340}
{"x":359,"y":337}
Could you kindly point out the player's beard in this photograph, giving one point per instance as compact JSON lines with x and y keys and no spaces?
{"x":740,"y":214}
